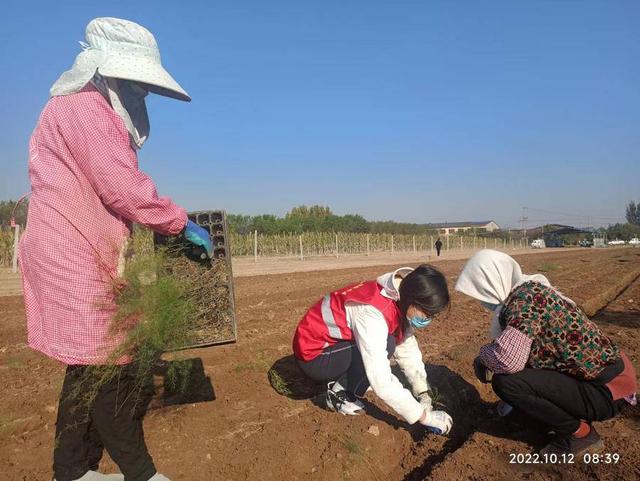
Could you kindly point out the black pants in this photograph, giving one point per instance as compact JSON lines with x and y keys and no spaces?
{"x":438,"y":250}
{"x":113,"y":422}
{"x":342,"y":361}
{"x":555,"y":399}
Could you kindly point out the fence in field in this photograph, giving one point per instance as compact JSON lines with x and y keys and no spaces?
{"x":316,"y":244}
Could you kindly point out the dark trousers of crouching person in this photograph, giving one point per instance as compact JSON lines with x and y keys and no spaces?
{"x":113,"y":421}
{"x":558,"y":400}
{"x":342,"y":362}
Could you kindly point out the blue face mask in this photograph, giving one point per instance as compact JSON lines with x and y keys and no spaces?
{"x":488,"y":305}
{"x":419,"y":322}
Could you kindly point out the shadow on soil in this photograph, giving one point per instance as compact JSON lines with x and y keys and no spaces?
{"x":623,"y":319}
{"x":188,"y":385}
{"x":470,"y":414}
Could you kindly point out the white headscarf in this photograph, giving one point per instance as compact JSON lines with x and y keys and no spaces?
{"x":490,"y":276}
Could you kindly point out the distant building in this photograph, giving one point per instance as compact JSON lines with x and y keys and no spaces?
{"x":447,"y":228}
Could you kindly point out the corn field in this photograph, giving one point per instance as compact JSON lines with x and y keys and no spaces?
{"x":316,"y":244}
{"x":343,"y":243}
{"x":6,"y":247}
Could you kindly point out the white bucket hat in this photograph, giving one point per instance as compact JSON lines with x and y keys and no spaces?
{"x":120,"y":49}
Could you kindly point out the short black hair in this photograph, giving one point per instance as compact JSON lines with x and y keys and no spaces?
{"x":424,"y":288}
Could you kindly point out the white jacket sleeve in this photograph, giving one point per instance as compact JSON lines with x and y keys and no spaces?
{"x":409,"y":359}
{"x":370,"y":333}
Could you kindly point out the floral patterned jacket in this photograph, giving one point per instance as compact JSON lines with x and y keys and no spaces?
{"x":563,"y":337}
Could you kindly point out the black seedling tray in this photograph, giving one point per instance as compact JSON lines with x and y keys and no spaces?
{"x":215,"y":221}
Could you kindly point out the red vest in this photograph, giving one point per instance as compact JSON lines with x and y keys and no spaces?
{"x":325,"y":323}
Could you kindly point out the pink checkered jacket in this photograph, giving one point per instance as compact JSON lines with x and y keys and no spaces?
{"x":86,"y":191}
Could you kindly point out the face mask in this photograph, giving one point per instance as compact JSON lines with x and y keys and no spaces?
{"x":419,"y":322}
{"x":488,"y":305}
{"x":128,"y":100}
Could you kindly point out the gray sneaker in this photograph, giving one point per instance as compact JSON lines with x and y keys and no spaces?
{"x":96,"y":476}
{"x":159,"y":477}
{"x":343,"y":402}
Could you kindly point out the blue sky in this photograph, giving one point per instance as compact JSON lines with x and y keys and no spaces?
{"x":420,"y":111}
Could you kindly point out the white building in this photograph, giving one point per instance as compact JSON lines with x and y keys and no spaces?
{"x":447,"y":228}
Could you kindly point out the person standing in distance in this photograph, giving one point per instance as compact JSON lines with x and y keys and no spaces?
{"x":438,"y":246}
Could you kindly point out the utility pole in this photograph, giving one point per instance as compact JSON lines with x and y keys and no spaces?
{"x":524,"y":220}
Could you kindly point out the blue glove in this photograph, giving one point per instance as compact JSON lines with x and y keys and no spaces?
{"x":198,"y":236}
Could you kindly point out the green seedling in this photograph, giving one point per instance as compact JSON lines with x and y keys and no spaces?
{"x":437,"y":398}
{"x":351,"y":445}
{"x":548,"y":267}
{"x":278,"y":383}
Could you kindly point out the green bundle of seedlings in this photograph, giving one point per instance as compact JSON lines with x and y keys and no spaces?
{"x":165,"y":302}
{"x":156,"y":312}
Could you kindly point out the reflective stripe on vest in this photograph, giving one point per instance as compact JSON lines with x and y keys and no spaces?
{"x":329,"y":320}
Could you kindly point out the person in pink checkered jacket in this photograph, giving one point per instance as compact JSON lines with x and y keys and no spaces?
{"x":87,"y":191}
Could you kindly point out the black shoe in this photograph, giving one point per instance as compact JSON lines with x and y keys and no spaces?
{"x":572,"y":445}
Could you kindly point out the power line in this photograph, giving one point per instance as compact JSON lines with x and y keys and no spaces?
{"x":587,"y":217}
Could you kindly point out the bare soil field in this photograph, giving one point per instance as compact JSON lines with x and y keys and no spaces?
{"x":250,"y":432}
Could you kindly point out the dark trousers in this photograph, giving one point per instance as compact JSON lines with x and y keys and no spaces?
{"x":342,"y":361}
{"x":555,"y":399}
{"x":438,"y":250}
{"x":113,"y":421}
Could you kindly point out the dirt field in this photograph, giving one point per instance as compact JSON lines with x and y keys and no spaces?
{"x":250,"y":432}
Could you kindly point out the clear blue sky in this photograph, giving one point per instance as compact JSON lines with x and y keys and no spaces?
{"x":418,"y":111}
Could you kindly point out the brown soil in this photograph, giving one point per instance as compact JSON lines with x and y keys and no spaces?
{"x":251,"y":432}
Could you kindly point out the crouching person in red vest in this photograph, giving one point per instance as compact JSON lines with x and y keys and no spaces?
{"x":348,"y":337}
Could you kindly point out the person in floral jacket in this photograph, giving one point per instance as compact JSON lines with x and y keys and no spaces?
{"x":547,"y":358}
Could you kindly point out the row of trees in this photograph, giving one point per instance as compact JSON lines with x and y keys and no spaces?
{"x":633,"y":213}
{"x":319,"y":218}
{"x":625,"y":231}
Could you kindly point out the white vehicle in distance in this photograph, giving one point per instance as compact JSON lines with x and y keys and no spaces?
{"x":538,"y":244}
{"x":634,"y":242}
{"x":616,"y":242}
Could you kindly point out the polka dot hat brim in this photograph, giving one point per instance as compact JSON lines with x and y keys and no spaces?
{"x":121,"y":49}
{"x":146,"y":71}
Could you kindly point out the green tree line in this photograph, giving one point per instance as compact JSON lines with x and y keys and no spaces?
{"x":319,"y":218}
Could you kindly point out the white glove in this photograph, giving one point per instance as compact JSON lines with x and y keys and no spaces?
{"x":425,"y":400}
{"x":437,"y":421}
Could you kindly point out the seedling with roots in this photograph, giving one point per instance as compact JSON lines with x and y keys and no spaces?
{"x":436,"y":398}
